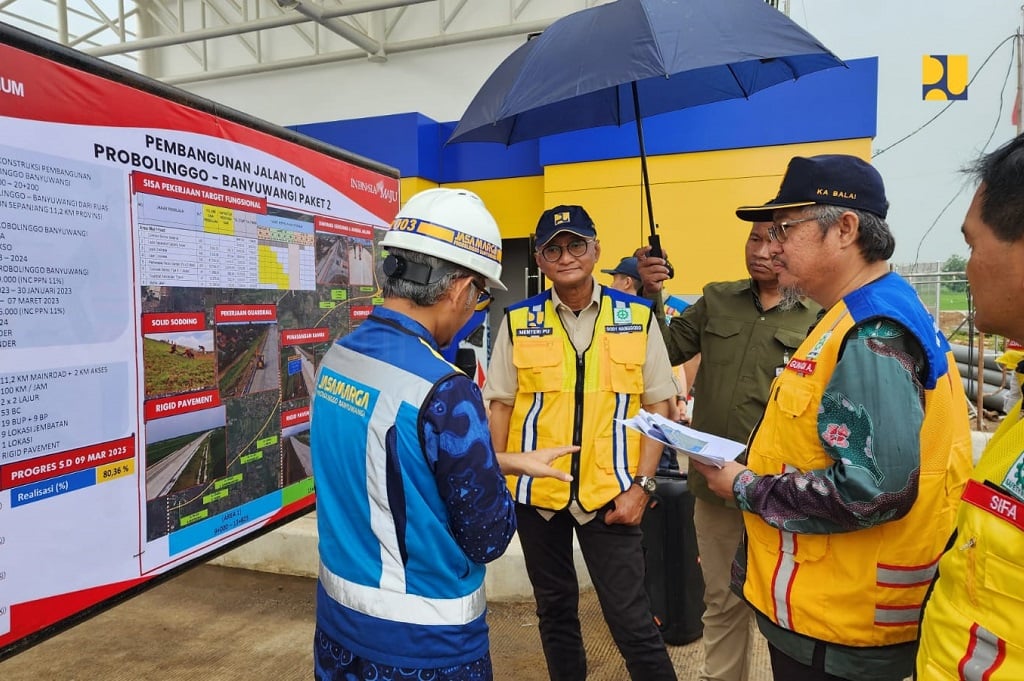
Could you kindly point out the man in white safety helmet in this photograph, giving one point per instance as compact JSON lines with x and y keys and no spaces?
{"x":411,"y":501}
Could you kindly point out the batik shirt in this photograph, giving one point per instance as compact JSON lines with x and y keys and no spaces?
{"x":863,"y":424}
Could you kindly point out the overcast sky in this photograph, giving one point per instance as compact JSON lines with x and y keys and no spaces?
{"x":921,"y":173}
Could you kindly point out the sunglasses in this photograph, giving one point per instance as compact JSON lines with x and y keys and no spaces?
{"x":484,"y":299}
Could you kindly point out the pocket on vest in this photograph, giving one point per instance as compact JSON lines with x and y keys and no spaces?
{"x":626,"y":354}
{"x":539,"y":364}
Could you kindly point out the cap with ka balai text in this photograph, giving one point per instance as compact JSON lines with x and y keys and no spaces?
{"x":830,"y":180}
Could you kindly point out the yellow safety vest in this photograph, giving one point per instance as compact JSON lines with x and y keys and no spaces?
{"x":973,"y":625}
{"x":861,"y":588}
{"x":563,"y":399}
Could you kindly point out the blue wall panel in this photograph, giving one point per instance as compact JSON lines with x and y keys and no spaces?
{"x":487,"y":161}
{"x":407,"y":141}
{"x":827,"y":105}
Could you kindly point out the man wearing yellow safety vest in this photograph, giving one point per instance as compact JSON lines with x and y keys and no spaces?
{"x":855,"y":471}
{"x":973,"y":626}
{"x":567,"y":365}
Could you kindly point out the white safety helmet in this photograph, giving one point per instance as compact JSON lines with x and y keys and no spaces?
{"x":453,"y":225}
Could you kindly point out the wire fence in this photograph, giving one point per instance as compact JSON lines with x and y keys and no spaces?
{"x":947,"y":295}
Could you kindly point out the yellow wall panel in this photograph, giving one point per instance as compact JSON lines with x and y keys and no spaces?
{"x":695,"y":197}
{"x":515,"y":202}
{"x":697,"y":166}
{"x":410,"y":186}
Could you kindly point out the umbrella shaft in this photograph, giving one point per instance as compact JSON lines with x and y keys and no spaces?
{"x":654,"y":240}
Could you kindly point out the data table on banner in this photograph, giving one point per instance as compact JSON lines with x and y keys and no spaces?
{"x":182,"y":243}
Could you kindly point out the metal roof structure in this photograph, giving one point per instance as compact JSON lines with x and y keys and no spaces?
{"x":185,"y":41}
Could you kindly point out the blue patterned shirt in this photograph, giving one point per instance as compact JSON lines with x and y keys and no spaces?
{"x":458,"y":448}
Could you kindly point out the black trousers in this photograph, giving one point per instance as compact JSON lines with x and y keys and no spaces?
{"x":785,"y":668}
{"x":615,"y":560}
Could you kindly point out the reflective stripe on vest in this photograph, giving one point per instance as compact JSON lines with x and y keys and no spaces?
{"x":403,"y":607}
{"x":897,"y":615}
{"x":619,"y":441}
{"x":524,"y":483}
{"x":785,"y":574}
{"x":985,"y":654}
{"x":905,"y":575}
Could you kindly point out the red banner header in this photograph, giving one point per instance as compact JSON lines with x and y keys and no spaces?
{"x":223,"y":314}
{"x":169,"y":322}
{"x":181,"y":404}
{"x":305,"y":336}
{"x":62,"y":463}
{"x":343,"y":227}
{"x":294,"y":417}
{"x":360,"y":311}
{"x":144,"y":183}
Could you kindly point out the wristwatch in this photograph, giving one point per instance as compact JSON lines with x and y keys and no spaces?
{"x":647,"y":484}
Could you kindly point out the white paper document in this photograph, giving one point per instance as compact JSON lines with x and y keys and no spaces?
{"x":704,"y":447}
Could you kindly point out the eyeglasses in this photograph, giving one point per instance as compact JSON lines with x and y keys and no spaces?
{"x":484,"y":299}
{"x":777,"y":232}
{"x":576,"y":248}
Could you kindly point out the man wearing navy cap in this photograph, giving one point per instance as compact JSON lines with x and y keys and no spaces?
{"x":567,"y":366}
{"x":743,"y":332}
{"x":625,"y":276}
{"x":854,"y":473}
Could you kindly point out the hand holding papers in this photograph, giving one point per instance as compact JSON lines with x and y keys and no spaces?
{"x":704,"y":447}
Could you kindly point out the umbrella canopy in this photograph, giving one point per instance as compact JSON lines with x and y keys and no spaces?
{"x":579,"y":73}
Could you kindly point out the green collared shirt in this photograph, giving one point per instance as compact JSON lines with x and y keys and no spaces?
{"x":741,"y":347}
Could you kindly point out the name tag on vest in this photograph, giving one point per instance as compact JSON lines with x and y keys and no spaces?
{"x":995,"y":502}
{"x":804,"y":367}
{"x":535,"y":331}
{"x":623,"y":328}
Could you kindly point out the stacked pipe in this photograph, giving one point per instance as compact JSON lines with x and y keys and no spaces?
{"x":992,"y":386}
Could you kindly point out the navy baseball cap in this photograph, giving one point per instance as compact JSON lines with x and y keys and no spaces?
{"x":560,"y":219}
{"x":829,"y":179}
{"x":626,"y":266}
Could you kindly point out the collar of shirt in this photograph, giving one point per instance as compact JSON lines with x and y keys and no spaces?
{"x":595,"y":298}
{"x":406,"y":323}
{"x":756,"y":295}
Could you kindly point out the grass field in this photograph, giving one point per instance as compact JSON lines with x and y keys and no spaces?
{"x":167,"y":373}
{"x":952,"y":300}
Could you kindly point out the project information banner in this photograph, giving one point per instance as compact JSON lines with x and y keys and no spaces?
{"x":169,"y":280}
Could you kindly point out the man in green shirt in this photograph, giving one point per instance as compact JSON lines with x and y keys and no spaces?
{"x":745,"y":331}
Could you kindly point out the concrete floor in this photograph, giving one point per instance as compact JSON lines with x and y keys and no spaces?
{"x":225,"y":624}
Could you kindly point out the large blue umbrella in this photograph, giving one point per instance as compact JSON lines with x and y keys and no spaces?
{"x":612,"y":64}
